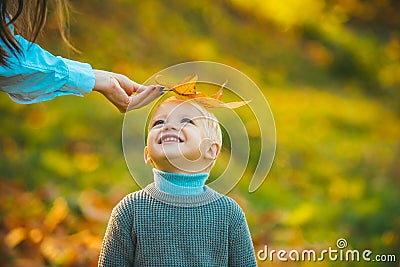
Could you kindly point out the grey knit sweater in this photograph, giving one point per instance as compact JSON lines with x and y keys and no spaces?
{"x":154,"y":228}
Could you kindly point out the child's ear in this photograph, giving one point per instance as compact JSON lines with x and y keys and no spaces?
{"x":212,"y":152}
{"x":147,"y":158}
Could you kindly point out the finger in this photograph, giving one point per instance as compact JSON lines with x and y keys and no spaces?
{"x":125,"y":103}
{"x":140,"y":97}
{"x":145,"y":97}
{"x":140,"y":88}
{"x":117,"y":96}
{"x":127,"y":84}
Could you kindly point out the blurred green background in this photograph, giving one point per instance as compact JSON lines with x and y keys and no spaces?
{"x":330,"y":70}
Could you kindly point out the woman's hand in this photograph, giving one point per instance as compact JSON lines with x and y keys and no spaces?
{"x":118,"y":89}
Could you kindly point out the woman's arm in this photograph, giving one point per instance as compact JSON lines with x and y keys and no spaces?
{"x":35,"y":75}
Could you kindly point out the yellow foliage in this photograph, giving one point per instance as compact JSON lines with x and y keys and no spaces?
{"x":341,"y":188}
{"x":94,"y":206}
{"x":58,"y":251}
{"x":36,"y":235}
{"x":15,"y":237}
{"x":389,"y":75}
{"x":88,"y":239}
{"x":86,"y":162}
{"x":285,"y":13}
{"x":304,"y":213}
{"x":57,"y":214}
{"x":58,"y":162}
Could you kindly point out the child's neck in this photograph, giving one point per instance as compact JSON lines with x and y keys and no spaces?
{"x":180,"y":184}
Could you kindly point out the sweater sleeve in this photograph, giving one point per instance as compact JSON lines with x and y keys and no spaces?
{"x":36,"y":75}
{"x":241,"y":250}
{"x":118,"y":247}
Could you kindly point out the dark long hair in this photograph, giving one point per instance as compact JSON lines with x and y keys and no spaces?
{"x":29,"y":18}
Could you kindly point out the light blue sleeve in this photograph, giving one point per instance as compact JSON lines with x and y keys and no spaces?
{"x":35,"y":75}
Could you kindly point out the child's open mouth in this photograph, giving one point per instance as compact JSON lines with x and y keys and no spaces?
{"x":169,"y":138}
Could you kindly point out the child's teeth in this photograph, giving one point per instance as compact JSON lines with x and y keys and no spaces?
{"x":171,"y":139}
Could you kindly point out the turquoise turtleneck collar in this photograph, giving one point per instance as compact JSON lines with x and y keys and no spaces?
{"x":180,"y":184}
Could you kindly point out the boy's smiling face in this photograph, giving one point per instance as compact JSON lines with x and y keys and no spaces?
{"x":178,"y":140}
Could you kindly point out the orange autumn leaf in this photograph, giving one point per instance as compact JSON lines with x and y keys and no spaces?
{"x":185,"y":87}
{"x":186,"y":90}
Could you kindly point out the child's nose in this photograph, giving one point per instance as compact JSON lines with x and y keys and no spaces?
{"x":169,"y":125}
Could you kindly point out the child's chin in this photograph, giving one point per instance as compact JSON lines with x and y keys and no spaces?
{"x":180,"y":154}
{"x":171,"y":154}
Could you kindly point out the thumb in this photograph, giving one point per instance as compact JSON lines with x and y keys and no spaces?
{"x":127,"y":84}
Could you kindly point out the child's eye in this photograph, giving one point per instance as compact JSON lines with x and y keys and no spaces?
{"x":158,"y":122}
{"x":186,"y":120}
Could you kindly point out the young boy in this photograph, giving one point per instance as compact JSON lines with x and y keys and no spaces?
{"x":178,"y":220}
